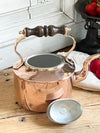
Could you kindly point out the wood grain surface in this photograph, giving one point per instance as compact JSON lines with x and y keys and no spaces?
{"x":14,"y":119}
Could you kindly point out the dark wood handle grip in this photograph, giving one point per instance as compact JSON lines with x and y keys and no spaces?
{"x":45,"y":31}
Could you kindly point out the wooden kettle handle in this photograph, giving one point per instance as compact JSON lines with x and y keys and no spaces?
{"x":40,"y":31}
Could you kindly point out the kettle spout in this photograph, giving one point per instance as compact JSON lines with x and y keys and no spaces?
{"x":82,"y":74}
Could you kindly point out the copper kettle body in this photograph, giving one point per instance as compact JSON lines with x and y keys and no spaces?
{"x":43,"y":78}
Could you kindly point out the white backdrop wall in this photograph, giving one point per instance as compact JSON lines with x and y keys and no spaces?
{"x":16,"y":15}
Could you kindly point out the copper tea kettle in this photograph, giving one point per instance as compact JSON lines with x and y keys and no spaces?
{"x":43,"y":78}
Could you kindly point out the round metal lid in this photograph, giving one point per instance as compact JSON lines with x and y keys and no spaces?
{"x":44,"y":61}
{"x":64,"y":111}
{"x":49,"y":67}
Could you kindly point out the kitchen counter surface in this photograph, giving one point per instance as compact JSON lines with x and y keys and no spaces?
{"x":14,"y":119}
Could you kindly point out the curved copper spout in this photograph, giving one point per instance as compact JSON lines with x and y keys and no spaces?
{"x":81,"y":75}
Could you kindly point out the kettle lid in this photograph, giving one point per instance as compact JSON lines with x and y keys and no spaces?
{"x":44,"y":61}
{"x":64,"y":111}
{"x":49,"y":62}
